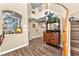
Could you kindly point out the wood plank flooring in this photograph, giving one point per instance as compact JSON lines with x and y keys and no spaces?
{"x":36,"y":48}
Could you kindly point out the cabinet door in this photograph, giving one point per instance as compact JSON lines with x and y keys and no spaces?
{"x":55,"y":39}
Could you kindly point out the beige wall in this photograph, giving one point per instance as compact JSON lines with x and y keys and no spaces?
{"x":12,"y":41}
{"x":29,"y":9}
{"x":35,"y":32}
{"x":0,"y":27}
{"x":1,"y":23}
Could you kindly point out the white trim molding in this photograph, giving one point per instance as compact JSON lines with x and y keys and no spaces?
{"x":35,"y":37}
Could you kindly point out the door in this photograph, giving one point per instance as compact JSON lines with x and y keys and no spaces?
{"x":74,"y":38}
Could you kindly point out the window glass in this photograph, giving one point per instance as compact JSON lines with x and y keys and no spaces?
{"x":11,"y":20}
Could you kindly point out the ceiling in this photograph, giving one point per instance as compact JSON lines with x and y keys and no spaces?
{"x":72,"y":7}
{"x":35,"y":5}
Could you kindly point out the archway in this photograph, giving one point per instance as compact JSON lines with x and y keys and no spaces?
{"x":64,"y":16}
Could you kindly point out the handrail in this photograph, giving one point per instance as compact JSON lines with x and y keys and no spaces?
{"x":1,"y":39}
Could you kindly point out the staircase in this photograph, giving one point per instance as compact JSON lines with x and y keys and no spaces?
{"x":74,"y":38}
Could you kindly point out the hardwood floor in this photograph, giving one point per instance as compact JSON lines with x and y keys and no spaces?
{"x":36,"y":48}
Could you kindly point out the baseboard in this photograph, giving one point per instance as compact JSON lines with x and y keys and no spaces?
{"x":14,"y":49}
{"x":35,"y":37}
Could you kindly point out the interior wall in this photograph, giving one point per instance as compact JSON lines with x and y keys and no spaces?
{"x":35,"y":32}
{"x":53,"y":7}
{"x":0,"y":28}
{"x":12,"y":41}
{"x":0,"y":23}
{"x":73,"y":7}
{"x":75,"y":14}
{"x":29,"y":10}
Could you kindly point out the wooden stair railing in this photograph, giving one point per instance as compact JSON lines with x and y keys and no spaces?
{"x":1,"y":39}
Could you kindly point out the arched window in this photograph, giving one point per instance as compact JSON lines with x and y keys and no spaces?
{"x":12,"y":21}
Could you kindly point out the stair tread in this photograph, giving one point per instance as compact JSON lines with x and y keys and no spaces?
{"x":75,"y":49}
{"x":76,"y":41}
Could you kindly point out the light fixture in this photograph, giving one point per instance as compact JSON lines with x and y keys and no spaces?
{"x":18,"y":29}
